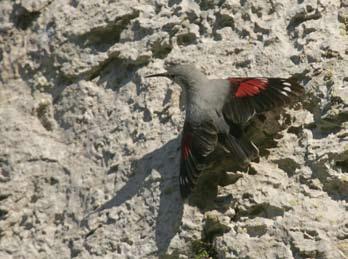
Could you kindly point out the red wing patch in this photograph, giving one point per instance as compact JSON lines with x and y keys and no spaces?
{"x":186,"y":145}
{"x":248,"y":86}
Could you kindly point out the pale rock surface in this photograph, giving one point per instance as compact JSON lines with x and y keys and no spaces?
{"x":89,"y":149}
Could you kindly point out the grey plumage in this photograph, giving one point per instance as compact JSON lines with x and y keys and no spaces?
{"x":216,"y":112}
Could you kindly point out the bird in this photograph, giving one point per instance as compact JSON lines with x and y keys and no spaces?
{"x":216,"y":114}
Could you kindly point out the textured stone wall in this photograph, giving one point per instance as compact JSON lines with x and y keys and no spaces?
{"x":89,"y":149}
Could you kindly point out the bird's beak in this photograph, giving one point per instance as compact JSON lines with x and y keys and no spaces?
{"x":158,"y":75}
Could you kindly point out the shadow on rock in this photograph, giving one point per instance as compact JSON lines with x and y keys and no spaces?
{"x":160,"y":168}
{"x":205,"y":194}
{"x":165,"y":161}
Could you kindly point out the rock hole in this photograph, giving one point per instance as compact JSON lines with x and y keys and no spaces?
{"x":53,"y":181}
{"x":161,"y":49}
{"x":256,"y":231}
{"x":4,"y":196}
{"x":186,"y":39}
{"x":224,"y":20}
{"x":22,"y":18}
{"x":3,"y":214}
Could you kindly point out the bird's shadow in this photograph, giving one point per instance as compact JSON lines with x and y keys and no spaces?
{"x":165,"y":161}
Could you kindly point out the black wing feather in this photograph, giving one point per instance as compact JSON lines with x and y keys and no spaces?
{"x":198,"y":142}
{"x":256,"y":95}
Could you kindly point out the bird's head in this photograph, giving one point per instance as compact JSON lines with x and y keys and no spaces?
{"x":187,"y":76}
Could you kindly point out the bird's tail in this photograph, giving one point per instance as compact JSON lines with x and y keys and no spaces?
{"x":249,"y":148}
{"x":243,"y":149}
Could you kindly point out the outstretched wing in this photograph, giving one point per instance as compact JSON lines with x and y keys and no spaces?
{"x":249,"y":96}
{"x":198,"y":141}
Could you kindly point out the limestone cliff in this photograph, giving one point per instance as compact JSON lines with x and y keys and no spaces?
{"x":89,"y":149}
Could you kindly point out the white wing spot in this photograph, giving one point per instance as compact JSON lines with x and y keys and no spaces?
{"x":287,"y":89}
{"x":286,"y":83}
{"x":184,"y":180}
{"x":284,"y":93}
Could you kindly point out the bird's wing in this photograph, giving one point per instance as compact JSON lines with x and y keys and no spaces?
{"x":249,"y":96}
{"x":198,"y":141}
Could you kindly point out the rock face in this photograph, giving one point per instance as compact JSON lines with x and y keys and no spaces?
{"x":89,"y":149}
